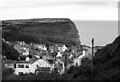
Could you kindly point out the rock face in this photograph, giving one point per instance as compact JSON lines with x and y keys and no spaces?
{"x":54,"y":30}
{"x":106,"y":62}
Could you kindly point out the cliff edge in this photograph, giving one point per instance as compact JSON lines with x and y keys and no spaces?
{"x":49,"y":30}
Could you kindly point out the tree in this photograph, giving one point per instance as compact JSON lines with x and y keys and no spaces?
{"x":9,"y":51}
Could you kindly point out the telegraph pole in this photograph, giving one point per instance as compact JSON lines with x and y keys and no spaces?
{"x":92,"y":59}
{"x":65,"y":60}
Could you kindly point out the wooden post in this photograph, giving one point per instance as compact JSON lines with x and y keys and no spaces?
{"x":92,"y":58}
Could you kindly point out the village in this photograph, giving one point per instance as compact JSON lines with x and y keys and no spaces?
{"x":35,"y":58}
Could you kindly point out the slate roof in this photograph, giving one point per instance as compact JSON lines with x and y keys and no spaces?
{"x":43,"y":69}
{"x":58,"y":66}
{"x":9,"y":62}
{"x":68,"y":61}
{"x":49,"y":61}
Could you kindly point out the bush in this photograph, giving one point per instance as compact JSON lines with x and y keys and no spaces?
{"x":6,"y":72}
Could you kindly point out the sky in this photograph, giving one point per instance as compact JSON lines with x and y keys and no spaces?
{"x":93,"y":18}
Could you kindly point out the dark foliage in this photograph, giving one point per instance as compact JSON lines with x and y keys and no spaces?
{"x":39,"y":76}
{"x":9,"y":51}
{"x":6,"y":72}
{"x":106,"y":62}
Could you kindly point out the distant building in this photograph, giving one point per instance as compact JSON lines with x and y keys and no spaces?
{"x":22,"y":49}
{"x":62,"y":64}
{"x":60,"y":47}
{"x":52,"y":49}
{"x":86,"y":54}
{"x":85,"y":47}
{"x":77,"y":61}
{"x":59,"y":54}
{"x":41,"y":46}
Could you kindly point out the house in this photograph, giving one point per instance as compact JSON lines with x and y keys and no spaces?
{"x":70,"y":56}
{"x":52,"y":49}
{"x":22,"y":50}
{"x":73,"y":49}
{"x":24,"y":67}
{"x":63,"y":64}
{"x":17,"y":47}
{"x":45,"y":65}
{"x":41,"y":47}
{"x":86,"y":54}
{"x":59,"y":54}
{"x":25,"y":52}
{"x":44,"y":62}
{"x":77,"y":61}
{"x":60,"y":47}
{"x":97,"y":49}
{"x":67,"y":61}
{"x":9,"y":63}
{"x":60,"y":66}
{"x":27,"y":59}
{"x":85,"y":47}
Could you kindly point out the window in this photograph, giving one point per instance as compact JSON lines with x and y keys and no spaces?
{"x":20,"y":66}
{"x":50,"y":61}
{"x":36,"y":65}
{"x":14,"y":65}
{"x":21,"y":73}
{"x":55,"y":68}
{"x":40,"y":57}
{"x":76,"y":64}
{"x":27,"y":66}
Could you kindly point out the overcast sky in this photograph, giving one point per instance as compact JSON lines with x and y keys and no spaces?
{"x":76,"y":10}
{"x":73,"y":9}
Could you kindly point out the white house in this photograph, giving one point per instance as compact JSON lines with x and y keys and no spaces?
{"x":41,"y":46}
{"x":24,"y":67}
{"x":59,"y":54}
{"x":9,"y":63}
{"x":62,"y":49}
{"x":60,"y":66}
{"x":27,"y":59}
{"x":77,"y":61}
{"x":70,"y":56}
{"x":21,"y":49}
{"x":25,"y":53}
{"x":44,"y":63}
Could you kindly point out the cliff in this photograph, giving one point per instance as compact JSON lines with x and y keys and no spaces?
{"x":47,"y":30}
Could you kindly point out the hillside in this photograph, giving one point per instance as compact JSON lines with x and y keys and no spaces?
{"x":106,"y":65}
{"x":106,"y":62}
{"x":41,"y":30}
{"x":9,"y":51}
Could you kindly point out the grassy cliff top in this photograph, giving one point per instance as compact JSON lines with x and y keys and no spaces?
{"x":54,"y":30}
